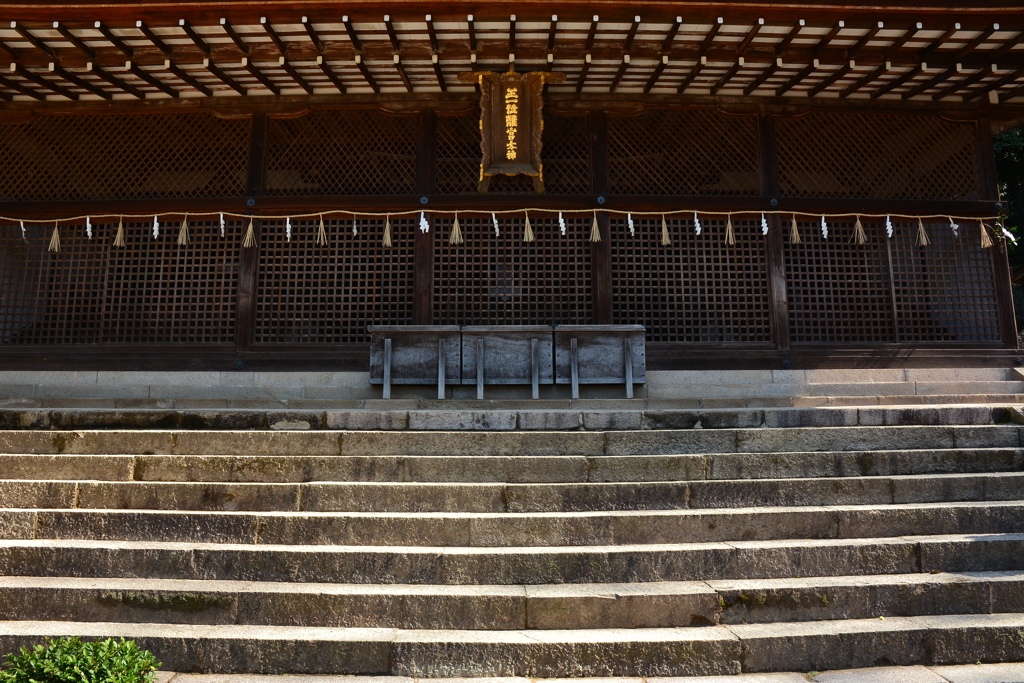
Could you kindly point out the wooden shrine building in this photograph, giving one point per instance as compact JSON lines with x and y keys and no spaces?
{"x":193,"y":185}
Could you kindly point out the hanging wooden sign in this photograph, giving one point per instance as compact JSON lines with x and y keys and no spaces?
{"x":511,"y":123}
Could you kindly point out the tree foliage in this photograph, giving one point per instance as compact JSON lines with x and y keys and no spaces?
{"x":1010,"y":169}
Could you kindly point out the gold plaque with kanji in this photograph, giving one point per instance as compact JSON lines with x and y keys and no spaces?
{"x":511,"y":123}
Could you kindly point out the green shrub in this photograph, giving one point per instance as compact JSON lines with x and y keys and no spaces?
{"x":69,"y":660}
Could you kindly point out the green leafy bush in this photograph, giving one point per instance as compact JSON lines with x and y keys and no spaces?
{"x":69,"y":660}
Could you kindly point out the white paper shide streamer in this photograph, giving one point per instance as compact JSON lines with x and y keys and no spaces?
{"x":88,"y":227}
{"x":1006,"y":233}
{"x":288,"y":229}
{"x":23,"y":235}
{"x":561,"y":223}
{"x":696,"y":224}
{"x":222,"y":224}
{"x":424,"y":225}
{"x":824,"y":228}
{"x":156,"y":227}
{"x":888,"y":227}
{"x":954,"y":227}
{"x":764,"y":225}
{"x":355,"y":230}
{"x":494,"y":218}
{"x":632,"y":229}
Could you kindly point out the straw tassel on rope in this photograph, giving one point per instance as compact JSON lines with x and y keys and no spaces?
{"x":595,"y":231}
{"x":665,"y":239}
{"x":119,"y":237}
{"x":455,"y":236}
{"x":922,"y":236}
{"x":250,"y":236}
{"x":528,"y":230}
{"x":387,"y":232}
{"x":859,"y":236}
{"x":321,"y":235}
{"x":183,"y":232}
{"x":55,"y":240}
{"x":730,"y":235}
{"x":794,"y":232}
{"x":986,"y":239}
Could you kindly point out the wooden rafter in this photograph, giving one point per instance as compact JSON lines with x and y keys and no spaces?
{"x":319,"y":45}
{"x":44,"y":82}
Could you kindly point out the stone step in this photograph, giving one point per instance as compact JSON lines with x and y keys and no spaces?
{"x":510,"y":469}
{"x":768,"y":559}
{"x":493,"y":416}
{"x":456,"y":443}
{"x":720,"y":650}
{"x":568,"y":606}
{"x":514,"y":498}
{"x":528,"y":529}
{"x":500,"y":530}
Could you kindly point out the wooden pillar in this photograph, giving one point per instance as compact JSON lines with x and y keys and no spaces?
{"x":768,"y":176}
{"x":600,"y":252}
{"x":423,"y":257}
{"x":1000,"y":265}
{"x":249,"y":259}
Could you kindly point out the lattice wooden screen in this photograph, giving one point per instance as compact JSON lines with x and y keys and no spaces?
{"x":501,"y":280}
{"x":945,"y":292}
{"x":838,"y":291}
{"x":341,"y":152}
{"x":151,"y":291}
{"x":123,"y":157}
{"x":698,"y":289}
{"x":684,"y":152}
{"x":310,"y":294}
{"x":887,"y":156}
{"x":841,"y":292}
{"x":566,"y":156}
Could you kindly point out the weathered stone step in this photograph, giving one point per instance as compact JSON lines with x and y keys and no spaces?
{"x":514,"y":565}
{"x":599,"y":415}
{"x":486,"y":497}
{"x":566,"y":606}
{"x":720,"y":650}
{"x":650,"y":442}
{"x":510,"y":468}
{"x":520,"y":529}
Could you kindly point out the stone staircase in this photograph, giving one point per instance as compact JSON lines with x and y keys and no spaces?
{"x":635,"y":552}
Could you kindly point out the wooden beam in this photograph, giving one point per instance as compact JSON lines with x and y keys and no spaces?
{"x":157,"y":42}
{"x":423,"y":242}
{"x":81,"y":82}
{"x":395,"y":44}
{"x":117,"y":82}
{"x":114,"y":40}
{"x":196,"y":39}
{"x":751,"y":34}
{"x":322,"y":58}
{"x":33,"y":41}
{"x":21,"y":89}
{"x":402,"y":73}
{"x":832,"y":78}
{"x":512,"y":33}
{"x":896,"y":82}
{"x":294,"y":74}
{"x":710,"y":37}
{"x":366,"y":74}
{"x":931,"y":82}
{"x":552,"y":31}
{"x":260,"y":76}
{"x":600,"y":252}
{"x":583,"y":73}
{"x":864,"y":40}
{"x":871,"y":77}
{"x":690,"y":77}
{"x":937,"y":43}
{"x":144,"y":75}
{"x":763,"y":76}
{"x":242,"y":46}
{"x":727,"y":76}
{"x":798,"y":78}
{"x":656,"y":74}
{"x":472,"y":33}
{"x":223,"y":77}
{"x":248,"y":262}
{"x":275,"y":37}
{"x":435,"y":46}
{"x":994,"y":85}
{"x":591,"y":34}
{"x":46,"y":83}
{"x":975,"y":42}
{"x":438,"y":73}
{"x":962,"y":83}
{"x":768,"y":181}
{"x":620,"y":73}
{"x":631,"y":36}
{"x":188,"y":78}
